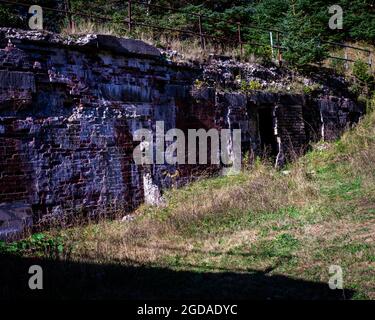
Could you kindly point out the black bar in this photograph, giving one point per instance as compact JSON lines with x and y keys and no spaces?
{"x":346,"y":46}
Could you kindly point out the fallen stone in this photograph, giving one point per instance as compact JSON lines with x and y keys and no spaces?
{"x":15,"y":218}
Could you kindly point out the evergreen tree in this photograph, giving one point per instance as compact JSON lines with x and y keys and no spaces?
{"x":301,"y":37}
{"x":303,"y":22}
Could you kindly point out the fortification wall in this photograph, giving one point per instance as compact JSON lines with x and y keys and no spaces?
{"x":69,"y":108}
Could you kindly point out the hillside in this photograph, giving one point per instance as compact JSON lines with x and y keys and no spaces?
{"x":261,"y":234}
{"x":300,"y":27}
{"x":217,"y":149}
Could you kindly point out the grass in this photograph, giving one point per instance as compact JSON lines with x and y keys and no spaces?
{"x":352,"y":54}
{"x":188,"y":49}
{"x":264,"y":221}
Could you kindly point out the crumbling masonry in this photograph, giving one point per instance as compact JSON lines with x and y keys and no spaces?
{"x":69,"y":108}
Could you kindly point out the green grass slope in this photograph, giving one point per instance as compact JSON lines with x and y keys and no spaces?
{"x":260,"y":234}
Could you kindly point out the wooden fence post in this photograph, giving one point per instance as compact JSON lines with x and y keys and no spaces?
{"x":69,"y":15}
{"x":279,"y":52}
{"x":239,"y":37}
{"x":346,"y":58}
{"x":130,"y":15}
{"x":203,"y":41}
{"x":370,"y":59}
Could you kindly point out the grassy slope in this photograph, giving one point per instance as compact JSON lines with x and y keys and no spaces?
{"x":295,"y":223}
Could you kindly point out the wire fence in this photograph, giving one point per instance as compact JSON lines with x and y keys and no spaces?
{"x":346,"y":58}
{"x":237,"y":34}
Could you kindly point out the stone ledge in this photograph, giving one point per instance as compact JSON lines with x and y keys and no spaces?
{"x":97,"y":41}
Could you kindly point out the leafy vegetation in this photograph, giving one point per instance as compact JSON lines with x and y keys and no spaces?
{"x":362,"y":72}
{"x":39,"y":244}
{"x":250,"y":86}
{"x":294,"y":223}
{"x":303,"y":23}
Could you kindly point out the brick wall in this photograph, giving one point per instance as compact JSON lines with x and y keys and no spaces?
{"x":69,"y":109}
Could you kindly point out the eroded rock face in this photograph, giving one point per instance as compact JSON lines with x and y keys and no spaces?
{"x":69,"y":108}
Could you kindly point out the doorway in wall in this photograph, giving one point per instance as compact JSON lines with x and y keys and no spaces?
{"x":267,"y":136}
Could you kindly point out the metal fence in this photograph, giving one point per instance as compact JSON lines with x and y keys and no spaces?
{"x":346,"y":58}
{"x":131,"y":21}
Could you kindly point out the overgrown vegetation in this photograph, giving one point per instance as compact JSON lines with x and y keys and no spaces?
{"x":303,"y":23}
{"x":250,"y":86}
{"x":295,"y":223}
{"x":363,"y":73}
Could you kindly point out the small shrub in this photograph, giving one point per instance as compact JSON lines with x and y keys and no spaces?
{"x":254,"y":85}
{"x":338,"y":66}
{"x":355,"y":89}
{"x":263,"y":52}
{"x":362,"y":72}
{"x":198,"y":84}
{"x":307,"y":90}
{"x":39,"y":244}
{"x":243,"y":85}
{"x":250,"y":86}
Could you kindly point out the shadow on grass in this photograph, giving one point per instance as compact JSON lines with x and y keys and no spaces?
{"x":71,"y":280}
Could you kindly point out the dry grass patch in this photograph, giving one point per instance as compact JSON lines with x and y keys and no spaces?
{"x":317,"y":212}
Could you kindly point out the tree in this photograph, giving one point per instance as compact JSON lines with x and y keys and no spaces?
{"x":301,"y":38}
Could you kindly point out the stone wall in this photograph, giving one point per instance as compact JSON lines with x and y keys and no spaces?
{"x":69,"y":108}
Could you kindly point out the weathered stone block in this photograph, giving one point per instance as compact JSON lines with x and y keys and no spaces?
{"x":14,"y":219}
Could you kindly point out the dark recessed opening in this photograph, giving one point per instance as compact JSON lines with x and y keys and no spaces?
{"x":266,"y":131}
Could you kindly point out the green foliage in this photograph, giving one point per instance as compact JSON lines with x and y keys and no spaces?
{"x":282,"y":245}
{"x":370,"y":103}
{"x":39,"y":244}
{"x":254,"y":85}
{"x":355,"y":88}
{"x":264,"y":52}
{"x":9,"y":18}
{"x":303,"y":22}
{"x":362,"y":71}
{"x":308,"y":90}
{"x":199,"y":84}
{"x":359,"y":22}
{"x":302,"y":40}
{"x":250,"y":86}
{"x":338,"y":65}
